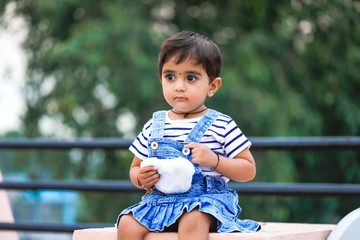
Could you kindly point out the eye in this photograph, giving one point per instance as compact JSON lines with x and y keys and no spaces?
{"x":170,"y":77}
{"x":191,"y":78}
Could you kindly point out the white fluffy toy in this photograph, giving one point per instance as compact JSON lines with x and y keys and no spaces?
{"x":175,"y":174}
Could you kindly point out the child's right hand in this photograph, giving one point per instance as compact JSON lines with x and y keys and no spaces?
{"x":148,"y":176}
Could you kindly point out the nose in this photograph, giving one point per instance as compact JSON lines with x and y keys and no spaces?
{"x":180,"y":84}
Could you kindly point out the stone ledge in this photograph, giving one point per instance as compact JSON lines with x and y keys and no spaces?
{"x":269,"y":231}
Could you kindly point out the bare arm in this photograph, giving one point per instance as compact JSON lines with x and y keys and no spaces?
{"x":147,"y":176}
{"x":241,"y":168}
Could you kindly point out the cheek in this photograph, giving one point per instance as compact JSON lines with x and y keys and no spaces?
{"x":200,"y":91}
{"x":166,"y":92}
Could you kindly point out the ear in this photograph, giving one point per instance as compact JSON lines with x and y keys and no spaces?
{"x":214,"y":86}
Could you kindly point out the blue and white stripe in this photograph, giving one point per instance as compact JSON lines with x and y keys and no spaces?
{"x":223,"y":137}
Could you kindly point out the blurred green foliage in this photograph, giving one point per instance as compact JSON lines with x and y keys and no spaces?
{"x":291,"y":68}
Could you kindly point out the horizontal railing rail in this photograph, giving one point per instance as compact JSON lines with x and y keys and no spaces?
{"x":284,"y":189}
{"x":258,"y":143}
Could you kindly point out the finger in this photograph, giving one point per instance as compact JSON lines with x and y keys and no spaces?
{"x":194,"y":160}
{"x":147,"y":169}
{"x":190,"y":145}
{"x":152,"y":180}
{"x":153,"y":174}
{"x":150,"y":175}
{"x":143,"y":175}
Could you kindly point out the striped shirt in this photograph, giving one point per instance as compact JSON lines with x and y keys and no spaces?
{"x":223,"y":137}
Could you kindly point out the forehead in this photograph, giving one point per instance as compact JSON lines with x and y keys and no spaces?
{"x":187,"y":64}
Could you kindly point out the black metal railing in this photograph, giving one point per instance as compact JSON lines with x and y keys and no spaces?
{"x":259,"y":143}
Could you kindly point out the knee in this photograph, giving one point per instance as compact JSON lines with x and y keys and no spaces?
{"x":130,"y":228}
{"x":195,"y":221}
{"x":125,"y":222}
{"x":123,"y":228}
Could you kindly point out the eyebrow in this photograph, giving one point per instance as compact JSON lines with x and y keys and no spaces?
{"x":187,"y":72}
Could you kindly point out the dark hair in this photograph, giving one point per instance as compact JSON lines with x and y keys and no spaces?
{"x":189,"y":45}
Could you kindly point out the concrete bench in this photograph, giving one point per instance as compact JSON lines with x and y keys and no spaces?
{"x":269,"y":231}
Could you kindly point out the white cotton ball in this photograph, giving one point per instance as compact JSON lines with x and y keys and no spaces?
{"x":175,"y":174}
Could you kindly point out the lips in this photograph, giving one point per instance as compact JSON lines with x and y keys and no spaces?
{"x":180,"y":98}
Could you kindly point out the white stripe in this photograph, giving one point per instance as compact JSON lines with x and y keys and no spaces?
{"x":215,"y":137}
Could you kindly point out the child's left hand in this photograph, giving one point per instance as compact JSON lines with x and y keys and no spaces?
{"x":202,"y":154}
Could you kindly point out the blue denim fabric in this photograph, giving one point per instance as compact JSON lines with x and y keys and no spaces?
{"x":209,"y":194}
{"x":168,"y":148}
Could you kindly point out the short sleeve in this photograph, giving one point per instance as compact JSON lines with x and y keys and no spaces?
{"x":139,"y":146}
{"x":235,"y":140}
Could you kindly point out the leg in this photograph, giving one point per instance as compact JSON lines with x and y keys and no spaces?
{"x":195,"y":225}
{"x":130,"y":229}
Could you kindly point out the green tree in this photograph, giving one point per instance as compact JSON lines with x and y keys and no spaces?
{"x":290,"y":69}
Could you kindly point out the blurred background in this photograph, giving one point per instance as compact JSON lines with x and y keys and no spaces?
{"x":88,"y":69}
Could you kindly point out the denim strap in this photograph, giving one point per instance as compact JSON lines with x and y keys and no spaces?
{"x":196,"y":133}
{"x":202,"y":126}
{"x":158,"y":124}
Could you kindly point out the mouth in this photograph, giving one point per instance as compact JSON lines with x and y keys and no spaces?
{"x":180,"y":98}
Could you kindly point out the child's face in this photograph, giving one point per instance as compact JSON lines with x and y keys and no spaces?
{"x":185,"y":85}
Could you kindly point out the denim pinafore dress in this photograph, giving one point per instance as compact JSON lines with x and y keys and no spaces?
{"x":208,"y":194}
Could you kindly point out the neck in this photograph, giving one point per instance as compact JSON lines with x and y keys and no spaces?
{"x":189,"y":113}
